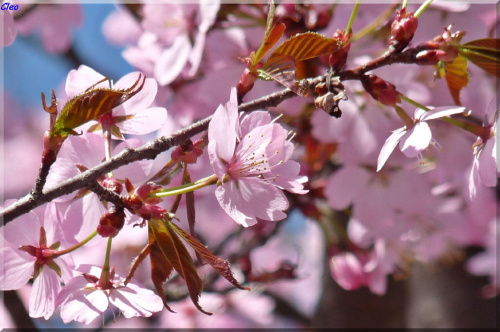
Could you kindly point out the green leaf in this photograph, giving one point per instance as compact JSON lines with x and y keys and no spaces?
{"x":220,"y":265}
{"x":484,"y":53}
{"x":90,"y":105}
{"x":169,"y":247}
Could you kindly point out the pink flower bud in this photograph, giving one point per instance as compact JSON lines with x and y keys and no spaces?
{"x":51,"y":147}
{"x":111,"y":223}
{"x":432,"y":57}
{"x":113,"y":185}
{"x":381,"y":90}
{"x":246,"y":83}
{"x":338,"y":58}
{"x":402,"y":29}
{"x":186,"y":152}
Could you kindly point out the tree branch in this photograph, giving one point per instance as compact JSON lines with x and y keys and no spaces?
{"x":149,"y":150}
{"x":154,"y":147}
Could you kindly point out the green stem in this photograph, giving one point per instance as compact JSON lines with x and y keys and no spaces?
{"x":472,"y":128}
{"x":414,"y":103}
{"x":375,"y":24}
{"x":422,"y":8}
{"x":212,"y":179}
{"x":76,"y":246}
{"x":405,"y":3}
{"x":104,"y":279}
{"x":353,"y":15}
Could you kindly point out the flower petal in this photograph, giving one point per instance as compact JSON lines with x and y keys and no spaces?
{"x":145,"y":122}
{"x":487,"y":163}
{"x":80,"y":80}
{"x":346,"y":184}
{"x":43,"y":293}
{"x":223,"y":129}
{"x":142,"y":99}
{"x":250,"y":198}
{"x":84,"y":305}
{"x":16,"y":268}
{"x":415,"y":140}
{"x":134,"y":301}
{"x":440,"y":112}
{"x":389,"y":146}
{"x":172,"y":60}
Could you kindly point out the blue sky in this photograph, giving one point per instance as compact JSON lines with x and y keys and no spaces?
{"x":29,"y":70}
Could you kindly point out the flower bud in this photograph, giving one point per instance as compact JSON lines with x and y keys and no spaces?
{"x":113,"y":185}
{"x":111,"y":223}
{"x":402,"y":29}
{"x":186,"y":152}
{"x":246,"y":83}
{"x":432,"y":57}
{"x":381,"y":90}
{"x":338,"y":58}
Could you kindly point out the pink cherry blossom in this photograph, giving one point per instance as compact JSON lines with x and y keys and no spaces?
{"x":353,"y":271}
{"x":27,"y":252}
{"x":414,"y":138}
{"x":251,"y":158}
{"x":82,"y":216}
{"x":132,"y":117}
{"x":83,"y":298}
{"x":484,"y":166}
{"x":54,"y":21}
{"x":166,"y":42}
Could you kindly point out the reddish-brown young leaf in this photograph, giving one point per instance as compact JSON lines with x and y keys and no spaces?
{"x":484,"y":53}
{"x":282,"y":70}
{"x":307,"y":45}
{"x":161,"y":269}
{"x":90,"y":105}
{"x":221,"y":265}
{"x":173,"y":253}
{"x":271,"y":36}
{"x":167,"y":173}
{"x":280,"y":66}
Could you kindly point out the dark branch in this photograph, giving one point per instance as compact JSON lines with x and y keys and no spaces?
{"x":148,"y":151}
{"x":106,"y":194}
{"x":153,"y":148}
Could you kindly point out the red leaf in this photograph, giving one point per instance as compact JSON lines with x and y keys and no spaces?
{"x":221,"y":265}
{"x":169,"y":248}
{"x":280,"y":66}
{"x":90,"y":105}
{"x":161,"y":269}
{"x":272,"y":35}
{"x":282,"y":70}
{"x":307,"y":45}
